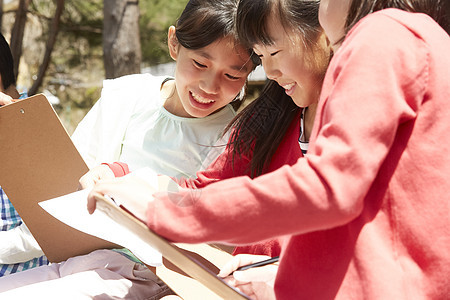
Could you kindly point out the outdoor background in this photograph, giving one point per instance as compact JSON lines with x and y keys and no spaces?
{"x":66,"y":48}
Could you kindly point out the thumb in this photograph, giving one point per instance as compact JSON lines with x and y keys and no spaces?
{"x":259,"y":274}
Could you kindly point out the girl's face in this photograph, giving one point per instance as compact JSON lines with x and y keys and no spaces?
{"x":209,"y":78}
{"x":287,"y":63}
{"x":332,"y":18}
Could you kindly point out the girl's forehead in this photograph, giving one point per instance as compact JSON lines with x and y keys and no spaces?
{"x":279,"y":32}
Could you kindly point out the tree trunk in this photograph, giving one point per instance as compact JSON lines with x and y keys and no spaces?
{"x":53,"y":33}
{"x":1,"y":15}
{"x":17,"y":33}
{"x":121,"y":40}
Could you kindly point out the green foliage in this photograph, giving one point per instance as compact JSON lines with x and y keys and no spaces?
{"x":80,"y":33}
{"x":80,"y":30}
{"x":156,"y":17}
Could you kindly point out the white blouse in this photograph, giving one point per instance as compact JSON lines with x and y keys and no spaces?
{"x":130,"y":124}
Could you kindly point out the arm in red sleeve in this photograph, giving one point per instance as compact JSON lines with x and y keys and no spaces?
{"x":223,"y":167}
{"x":349,"y":145}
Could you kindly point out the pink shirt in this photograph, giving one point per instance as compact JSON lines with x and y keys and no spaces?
{"x":367,"y":210}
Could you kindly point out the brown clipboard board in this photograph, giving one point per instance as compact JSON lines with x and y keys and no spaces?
{"x":38,"y":161}
{"x":192,"y":265}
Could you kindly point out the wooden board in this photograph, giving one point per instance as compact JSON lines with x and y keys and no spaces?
{"x":190,"y":259}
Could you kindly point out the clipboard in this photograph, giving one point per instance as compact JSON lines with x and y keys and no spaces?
{"x":38,"y":161}
{"x":191,"y":264}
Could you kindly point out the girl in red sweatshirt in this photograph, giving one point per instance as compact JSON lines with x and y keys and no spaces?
{"x":365,"y":211}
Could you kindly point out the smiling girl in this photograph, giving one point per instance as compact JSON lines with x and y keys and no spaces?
{"x":168,"y":124}
{"x":366,"y":210}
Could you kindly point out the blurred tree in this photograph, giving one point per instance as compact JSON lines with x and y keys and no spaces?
{"x":156,"y":17}
{"x":121,"y":40}
{"x":17,"y":33}
{"x":54,"y":28}
{"x":1,"y":14}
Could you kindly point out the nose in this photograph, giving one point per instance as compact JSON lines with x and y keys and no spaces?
{"x":272,"y":72}
{"x":210,"y":83}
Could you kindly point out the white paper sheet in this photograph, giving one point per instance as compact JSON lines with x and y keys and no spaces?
{"x":71,"y":209}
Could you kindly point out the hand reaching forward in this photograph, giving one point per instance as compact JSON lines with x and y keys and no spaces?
{"x":257,"y":283}
{"x":129,"y":191}
{"x":94,"y":175}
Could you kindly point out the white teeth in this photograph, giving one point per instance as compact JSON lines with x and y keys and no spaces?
{"x":200,"y":99}
{"x":288,"y":86}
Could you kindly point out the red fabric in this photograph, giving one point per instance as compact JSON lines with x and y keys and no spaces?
{"x":119,"y":168}
{"x":367,"y":209}
{"x":287,"y":153}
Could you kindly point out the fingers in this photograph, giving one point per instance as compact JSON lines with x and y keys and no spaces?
{"x":5,"y":99}
{"x":91,"y":202}
{"x":94,"y":175}
{"x":101,"y":188}
{"x":238,"y":261}
{"x":258,"y":274}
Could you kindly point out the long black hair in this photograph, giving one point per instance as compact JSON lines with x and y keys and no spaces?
{"x":6,"y":64}
{"x":260,"y":127}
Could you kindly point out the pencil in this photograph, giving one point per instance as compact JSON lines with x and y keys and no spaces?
{"x":259,"y":264}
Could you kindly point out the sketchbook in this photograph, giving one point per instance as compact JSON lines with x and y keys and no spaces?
{"x":191,"y":263}
{"x":186,"y":267}
{"x":38,"y":161}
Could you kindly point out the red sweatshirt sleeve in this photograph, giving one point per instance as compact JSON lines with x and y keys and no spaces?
{"x":224,"y":167}
{"x":363,"y":104}
{"x":119,"y":168}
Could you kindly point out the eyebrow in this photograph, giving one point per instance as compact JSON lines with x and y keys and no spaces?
{"x":238,"y":68}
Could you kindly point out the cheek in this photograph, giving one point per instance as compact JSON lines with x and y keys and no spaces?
{"x":232,"y":89}
{"x":293,"y":67}
{"x":325,"y":23}
{"x":332,"y":17}
{"x":185,"y":73}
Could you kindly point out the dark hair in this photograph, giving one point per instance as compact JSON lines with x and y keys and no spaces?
{"x":439,"y":10}
{"x":260,"y":127}
{"x":252,"y":20}
{"x":6,"y":64}
{"x":203,"y":22}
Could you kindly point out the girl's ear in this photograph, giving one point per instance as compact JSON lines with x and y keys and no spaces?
{"x":172,"y":43}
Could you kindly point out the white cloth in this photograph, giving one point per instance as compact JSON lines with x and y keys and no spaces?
{"x":130,"y":124}
{"x":101,"y":274}
{"x":18,"y":245}
{"x":127,"y":124}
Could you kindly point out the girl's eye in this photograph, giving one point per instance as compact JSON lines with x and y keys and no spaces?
{"x":199,"y":64}
{"x":232,"y":77}
{"x":274,"y":53}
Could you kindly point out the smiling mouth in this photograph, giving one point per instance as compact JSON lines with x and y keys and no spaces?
{"x":289,"y":86}
{"x":201,"y":99}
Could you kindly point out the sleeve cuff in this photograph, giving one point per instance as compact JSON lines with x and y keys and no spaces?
{"x":119,"y":168}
